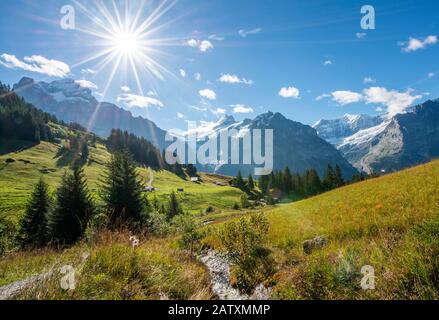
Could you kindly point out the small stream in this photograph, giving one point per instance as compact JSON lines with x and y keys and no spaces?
{"x":219,"y":270}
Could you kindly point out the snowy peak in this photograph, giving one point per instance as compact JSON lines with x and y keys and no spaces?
{"x":59,"y":91}
{"x":335,"y":131}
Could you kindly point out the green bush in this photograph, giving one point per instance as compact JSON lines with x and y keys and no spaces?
{"x":244,"y":240}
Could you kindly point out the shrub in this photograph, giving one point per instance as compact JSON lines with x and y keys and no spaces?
{"x":244,"y":240}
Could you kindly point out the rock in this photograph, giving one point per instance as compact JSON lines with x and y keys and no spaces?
{"x":317,"y":243}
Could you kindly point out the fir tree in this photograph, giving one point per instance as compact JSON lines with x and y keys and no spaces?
{"x":250,"y":182}
{"x":338,"y":180}
{"x":329,"y":178}
{"x":174,"y":207}
{"x":74,"y":207}
{"x":122,"y":191}
{"x":33,"y":226}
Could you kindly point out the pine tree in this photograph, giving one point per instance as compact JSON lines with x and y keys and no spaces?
{"x":239,"y":182}
{"x":329,"y":178}
{"x":174,"y":207}
{"x":122,"y":191}
{"x":250,"y":182}
{"x":33,"y":226}
{"x":338,"y":180}
{"x":312,"y":182}
{"x":287,"y":181}
{"x":74,"y":207}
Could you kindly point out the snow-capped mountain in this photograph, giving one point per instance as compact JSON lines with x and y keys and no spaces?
{"x":335,"y":131}
{"x":294,"y":145}
{"x":71,"y":102}
{"x":388,"y":144}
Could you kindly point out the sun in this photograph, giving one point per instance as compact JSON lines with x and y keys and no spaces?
{"x":126,"y":43}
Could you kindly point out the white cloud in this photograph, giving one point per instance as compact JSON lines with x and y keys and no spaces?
{"x":346,"y":97}
{"x":396,"y":102}
{"x":234,"y":79}
{"x":180,"y":115}
{"x":183,"y":73}
{"x":327,"y":62}
{"x":369,"y":80}
{"x":219,"y":111}
{"x":37,"y":64}
{"x":197,"y":76}
{"x":208,"y":94}
{"x":414,"y":44}
{"x":215,"y":37}
{"x":132,"y":100}
{"x":88,"y":71}
{"x":203,"y":46}
{"x":431,"y":75}
{"x":125,"y":89}
{"x":87,"y":84}
{"x":290,"y":92}
{"x":244,"y":33}
{"x":361,"y":35}
{"x":152,"y":93}
{"x":240,"y":108}
{"x":322,"y":96}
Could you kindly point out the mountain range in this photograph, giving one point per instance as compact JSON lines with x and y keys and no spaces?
{"x":385,"y":144}
{"x":70,"y":102}
{"x":296,"y":145}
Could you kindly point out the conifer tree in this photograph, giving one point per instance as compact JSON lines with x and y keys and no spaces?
{"x":250,"y":182}
{"x":74,"y":207}
{"x":122,"y":191}
{"x":329,"y":178}
{"x":174,"y":207}
{"x":338,"y":180}
{"x":33,"y":226}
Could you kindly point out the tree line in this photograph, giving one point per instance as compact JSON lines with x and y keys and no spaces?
{"x":21,"y":120}
{"x":295,"y":184}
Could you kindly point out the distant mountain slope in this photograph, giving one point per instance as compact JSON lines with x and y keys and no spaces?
{"x":402,"y":141}
{"x":70,"y":102}
{"x":295,"y":145}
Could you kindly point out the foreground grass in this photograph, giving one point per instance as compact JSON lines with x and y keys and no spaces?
{"x":109,"y":268}
{"x":374,"y":223}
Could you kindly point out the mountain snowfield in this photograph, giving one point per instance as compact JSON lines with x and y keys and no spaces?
{"x":384,"y":144}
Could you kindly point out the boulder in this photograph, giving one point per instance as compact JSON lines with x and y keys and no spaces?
{"x":317,"y":243}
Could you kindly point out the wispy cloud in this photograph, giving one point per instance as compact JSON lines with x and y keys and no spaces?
{"x":208,"y":94}
{"x":234,"y":79}
{"x":214,"y":37}
{"x":197,"y":76}
{"x":183,"y":73}
{"x":344,"y":97}
{"x":240,"y":108}
{"x":132,"y":100}
{"x":322,"y":96}
{"x":290,"y":92}
{"x":327,"y":62}
{"x":37,"y":64}
{"x":87,"y":84}
{"x":180,"y":115}
{"x":125,"y":89}
{"x":395,"y":101}
{"x":431,"y":75}
{"x":244,"y":33}
{"x":88,"y":71}
{"x":361,"y":35}
{"x":369,"y":80}
{"x":414,"y":44}
{"x":202,"y":45}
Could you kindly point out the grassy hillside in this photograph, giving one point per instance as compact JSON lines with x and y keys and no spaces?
{"x":18,"y":177}
{"x":381,"y":222}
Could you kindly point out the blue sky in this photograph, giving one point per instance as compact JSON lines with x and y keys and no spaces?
{"x":306,"y":59}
